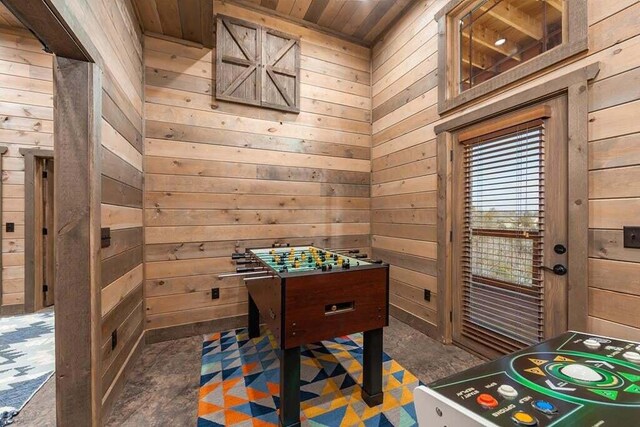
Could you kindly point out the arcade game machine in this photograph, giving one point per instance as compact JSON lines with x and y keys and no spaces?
{"x":574,"y":379}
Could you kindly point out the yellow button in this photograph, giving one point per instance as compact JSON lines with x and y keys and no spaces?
{"x":524,"y":418}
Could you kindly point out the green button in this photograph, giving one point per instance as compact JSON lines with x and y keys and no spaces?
{"x":609,"y":394}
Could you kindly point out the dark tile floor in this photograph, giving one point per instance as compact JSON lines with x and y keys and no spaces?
{"x":164,"y":383}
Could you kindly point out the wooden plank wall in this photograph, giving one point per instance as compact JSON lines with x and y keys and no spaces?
{"x":110,"y":32}
{"x":220,"y":177}
{"x":403,"y":159}
{"x":26,"y":121}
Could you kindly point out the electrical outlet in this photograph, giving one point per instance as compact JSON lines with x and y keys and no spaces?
{"x":11,"y":227}
{"x":114,"y":339}
{"x":631,"y":237}
{"x":215,"y":293}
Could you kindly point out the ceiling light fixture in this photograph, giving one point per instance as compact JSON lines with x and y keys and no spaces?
{"x":500,"y":41}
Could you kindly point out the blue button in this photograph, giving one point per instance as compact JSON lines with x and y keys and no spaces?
{"x":544,"y":406}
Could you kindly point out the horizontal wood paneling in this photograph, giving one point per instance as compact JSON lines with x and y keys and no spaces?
{"x":26,"y":121}
{"x":220,"y":177}
{"x":404,"y":65}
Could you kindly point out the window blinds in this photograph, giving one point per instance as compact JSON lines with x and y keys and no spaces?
{"x":502,"y":289}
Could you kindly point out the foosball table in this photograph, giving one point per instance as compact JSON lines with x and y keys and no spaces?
{"x":306,"y":294}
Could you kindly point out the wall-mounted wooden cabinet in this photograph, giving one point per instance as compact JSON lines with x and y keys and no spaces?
{"x":257,"y":65}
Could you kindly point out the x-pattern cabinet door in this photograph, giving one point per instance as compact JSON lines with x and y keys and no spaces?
{"x":238,"y":61}
{"x":257,"y":65}
{"x":280,"y":71}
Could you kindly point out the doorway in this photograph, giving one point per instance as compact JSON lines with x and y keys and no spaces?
{"x":509,"y":240}
{"x":39,"y":229}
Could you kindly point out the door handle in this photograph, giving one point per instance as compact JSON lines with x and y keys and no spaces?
{"x":557,"y":269}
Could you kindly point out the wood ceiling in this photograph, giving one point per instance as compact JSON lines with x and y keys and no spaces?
{"x":360,"y":21}
{"x":190,"y":20}
{"x":7,"y":19}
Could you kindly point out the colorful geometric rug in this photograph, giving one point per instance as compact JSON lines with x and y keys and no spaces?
{"x":27,"y":360}
{"x":239,"y":384}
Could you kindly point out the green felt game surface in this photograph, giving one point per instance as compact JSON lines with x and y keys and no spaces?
{"x":302,"y":259}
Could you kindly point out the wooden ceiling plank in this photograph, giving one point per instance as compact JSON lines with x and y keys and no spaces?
{"x":189,"y":12}
{"x":270,"y":4}
{"x":358,"y":17}
{"x":506,"y":12}
{"x":388,"y":21}
{"x":379,"y":11}
{"x":345,"y":15}
{"x":315,"y":10}
{"x":148,"y":13}
{"x":169,"y":17}
{"x":7,"y":18}
{"x":300,"y":8}
{"x":330,"y":12}
{"x":487,"y":37}
{"x":206,"y":23}
{"x":285,"y":6}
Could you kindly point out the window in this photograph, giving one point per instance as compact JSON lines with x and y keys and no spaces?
{"x":503,"y":234}
{"x":483,"y":39}
{"x":491,"y":43}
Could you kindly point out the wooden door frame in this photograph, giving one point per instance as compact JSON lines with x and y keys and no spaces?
{"x":77,"y":105}
{"x":576,"y":86}
{"x":3,"y":310}
{"x":31,"y":157}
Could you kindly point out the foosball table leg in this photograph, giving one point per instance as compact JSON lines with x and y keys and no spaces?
{"x":254,"y":319}
{"x":372,"y":368}
{"x":290,"y":387}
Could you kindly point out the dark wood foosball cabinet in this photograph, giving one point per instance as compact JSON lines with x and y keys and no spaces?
{"x":306,"y":295}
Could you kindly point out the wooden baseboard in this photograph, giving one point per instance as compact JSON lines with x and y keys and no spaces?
{"x":115,"y":390}
{"x":11,"y":310}
{"x":415,"y":322}
{"x":193,"y":329}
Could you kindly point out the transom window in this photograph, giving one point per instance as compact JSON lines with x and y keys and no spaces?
{"x":497,"y":35}
{"x":485,"y":45}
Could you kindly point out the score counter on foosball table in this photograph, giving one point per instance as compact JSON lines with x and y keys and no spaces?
{"x":307,"y":294}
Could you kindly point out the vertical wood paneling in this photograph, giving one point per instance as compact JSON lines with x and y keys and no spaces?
{"x":221,"y":177}
{"x":404,"y":64}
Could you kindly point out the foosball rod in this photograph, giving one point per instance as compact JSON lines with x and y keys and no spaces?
{"x":236,"y":274}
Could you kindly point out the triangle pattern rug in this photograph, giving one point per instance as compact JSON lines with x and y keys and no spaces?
{"x":239,"y":384}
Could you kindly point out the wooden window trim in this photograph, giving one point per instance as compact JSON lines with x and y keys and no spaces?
{"x":30,"y":157}
{"x":448,"y":96}
{"x":576,"y":86}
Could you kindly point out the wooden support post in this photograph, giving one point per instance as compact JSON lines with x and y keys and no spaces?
{"x":77,"y":110}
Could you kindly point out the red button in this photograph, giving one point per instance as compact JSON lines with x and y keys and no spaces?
{"x":487,"y":401}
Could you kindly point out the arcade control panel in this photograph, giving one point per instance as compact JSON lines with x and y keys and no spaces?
{"x":574,"y":379}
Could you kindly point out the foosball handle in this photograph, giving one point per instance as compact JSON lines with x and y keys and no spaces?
{"x":354,"y":251}
{"x":361,"y":256}
{"x":238,"y":256}
{"x":246,"y":269}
